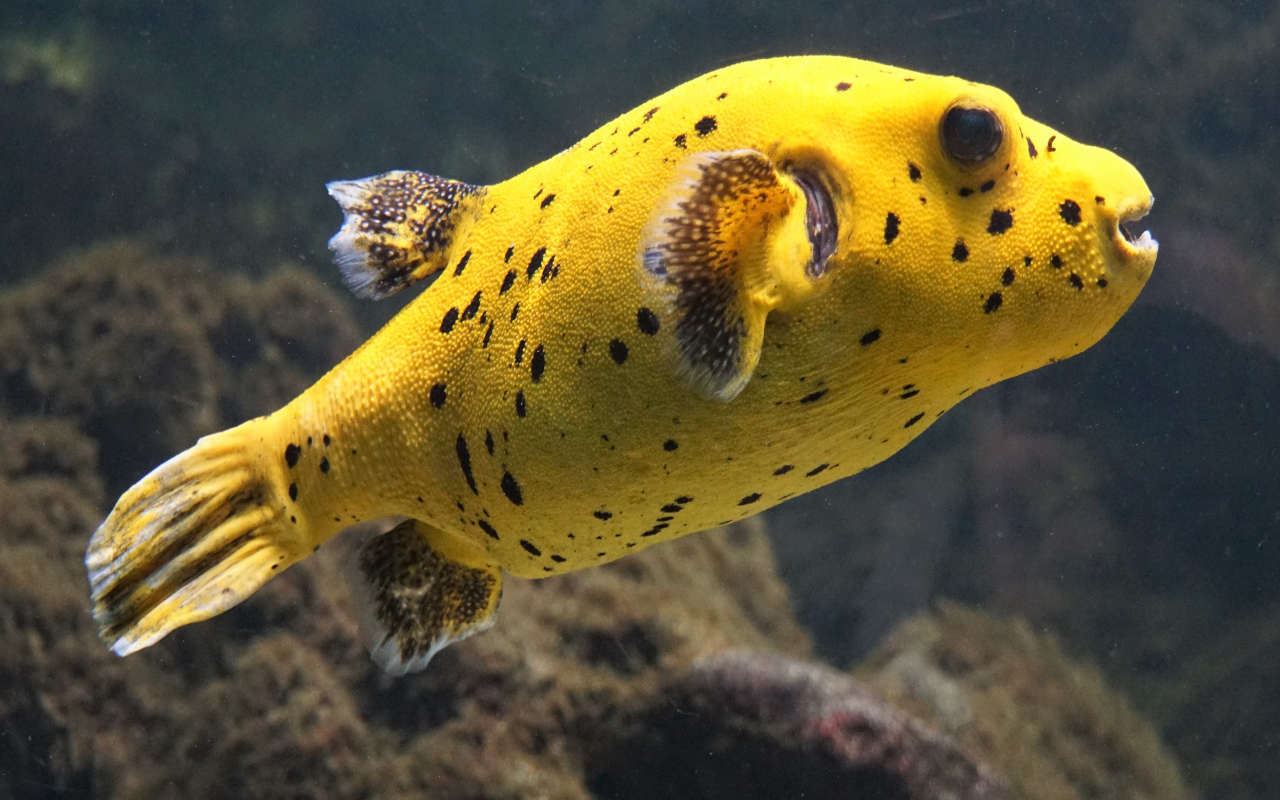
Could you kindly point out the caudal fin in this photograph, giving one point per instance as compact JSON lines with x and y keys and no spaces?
{"x":396,"y":229}
{"x":193,"y":538}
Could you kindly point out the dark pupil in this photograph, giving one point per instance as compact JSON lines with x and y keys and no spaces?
{"x":970,"y":135}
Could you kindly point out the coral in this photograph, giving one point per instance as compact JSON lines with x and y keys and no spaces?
{"x":1049,"y":723}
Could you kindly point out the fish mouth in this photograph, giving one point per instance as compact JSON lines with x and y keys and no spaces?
{"x":1127,"y":242}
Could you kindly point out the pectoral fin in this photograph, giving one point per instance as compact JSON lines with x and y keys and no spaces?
{"x":733,"y":239}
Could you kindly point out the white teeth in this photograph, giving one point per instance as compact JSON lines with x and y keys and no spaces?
{"x":1146,"y":242}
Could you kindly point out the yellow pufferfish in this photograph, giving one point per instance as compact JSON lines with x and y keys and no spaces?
{"x":766,"y":279}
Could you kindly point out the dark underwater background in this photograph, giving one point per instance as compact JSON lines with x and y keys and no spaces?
{"x":1067,"y":588}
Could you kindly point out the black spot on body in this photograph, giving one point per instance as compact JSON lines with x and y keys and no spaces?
{"x":293,"y":491}
{"x":843,"y":86}
{"x":816,"y":470}
{"x":907,"y":395}
{"x":869,"y":337}
{"x":511,"y":488}
{"x":1007,"y":277}
{"x":556,"y":557}
{"x":464,"y":461}
{"x":784,"y":469}
{"x":438,"y":395}
{"x":530,"y":547}
{"x":450,"y":319}
{"x":648,"y":115}
{"x":1070,"y":211}
{"x":488,"y":442}
{"x":602,"y":515}
{"x":326,"y":440}
{"x":510,"y":252}
{"x":548,"y":200}
{"x":471,"y":309}
{"x":965,"y":191}
{"x":913,"y":172}
{"x":1055,"y":261}
{"x":618,"y":351}
{"x":890,"y":227}
{"x":537,"y":364}
{"x":672,"y":508}
{"x":993,"y":302}
{"x":535,"y":262}
{"x":647,"y":321}
{"x":1031,"y":149}
{"x":1049,"y":148}
{"x":913,"y":420}
{"x":515,"y":310}
{"x":960,"y":252}
{"x":705,"y":125}
{"x":1102,"y":283}
{"x":749,"y":499}
{"x":507,"y":282}
{"x":813,"y":397}
{"x":680,"y":141}
{"x":987,"y":186}
{"x":291,"y":454}
{"x":487,"y":528}
{"x":1076,"y":281}
{"x":670,"y":444}
{"x":1001,"y":221}
{"x":462,"y":263}
{"x":520,"y":351}
{"x":520,"y":407}
{"x":488,"y":334}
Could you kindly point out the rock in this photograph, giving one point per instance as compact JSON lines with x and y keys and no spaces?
{"x":1050,"y":724}
{"x":754,"y":725}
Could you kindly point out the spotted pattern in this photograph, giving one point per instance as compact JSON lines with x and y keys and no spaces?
{"x":1001,"y":221}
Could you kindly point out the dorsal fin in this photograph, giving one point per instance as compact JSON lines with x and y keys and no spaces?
{"x":397,"y":228}
{"x":722,"y":249}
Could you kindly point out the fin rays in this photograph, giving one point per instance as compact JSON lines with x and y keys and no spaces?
{"x":191,"y":539}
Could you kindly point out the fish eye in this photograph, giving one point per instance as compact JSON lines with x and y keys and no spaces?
{"x":971,"y":134}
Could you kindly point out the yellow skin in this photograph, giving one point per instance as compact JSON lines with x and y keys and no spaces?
{"x":617,"y":443}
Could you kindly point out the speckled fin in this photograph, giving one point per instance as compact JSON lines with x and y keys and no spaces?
{"x":414,"y":600}
{"x":397,"y":228}
{"x":712,"y":257}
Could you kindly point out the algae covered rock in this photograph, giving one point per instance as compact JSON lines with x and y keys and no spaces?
{"x":1050,"y":724}
{"x":753,"y":725}
{"x":146,"y":352}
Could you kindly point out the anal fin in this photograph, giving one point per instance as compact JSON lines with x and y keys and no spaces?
{"x":397,"y":228}
{"x":420,"y":595}
{"x":732,"y":239}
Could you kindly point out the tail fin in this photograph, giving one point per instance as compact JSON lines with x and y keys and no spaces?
{"x":197,"y":535}
{"x":397,"y":228}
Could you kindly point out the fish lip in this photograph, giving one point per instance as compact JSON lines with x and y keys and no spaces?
{"x":1143,"y":245}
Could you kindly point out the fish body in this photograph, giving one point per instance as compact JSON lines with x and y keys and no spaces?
{"x":766,"y":279}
